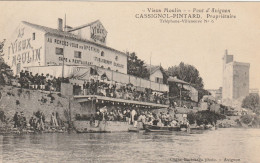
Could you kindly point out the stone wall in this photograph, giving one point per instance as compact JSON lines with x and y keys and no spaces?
{"x":31,"y":101}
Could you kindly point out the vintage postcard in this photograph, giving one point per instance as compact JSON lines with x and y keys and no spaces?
{"x":129,"y":81}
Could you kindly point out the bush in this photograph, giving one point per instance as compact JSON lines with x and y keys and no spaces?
{"x":204,"y":117}
{"x":191,"y":117}
{"x":246,"y":119}
{"x":251,"y":102}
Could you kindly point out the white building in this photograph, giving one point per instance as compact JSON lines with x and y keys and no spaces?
{"x":34,"y":45}
{"x":41,"y":49}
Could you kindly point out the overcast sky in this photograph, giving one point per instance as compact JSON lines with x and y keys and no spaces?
{"x":201,"y":45}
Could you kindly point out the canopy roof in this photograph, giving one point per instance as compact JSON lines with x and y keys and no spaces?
{"x":86,"y":98}
{"x":176,"y":80}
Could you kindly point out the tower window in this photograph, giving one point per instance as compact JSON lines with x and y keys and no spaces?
{"x":102,"y":54}
{"x":116,"y":58}
{"x":33,"y":36}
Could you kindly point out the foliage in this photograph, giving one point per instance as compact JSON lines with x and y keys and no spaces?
{"x":2,"y":116}
{"x":204,"y":117}
{"x":251,"y":102}
{"x":5,"y":70}
{"x":191,"y":116}
{"x":136,"y":66}
{"x":246,"y":119}
{"x":165,"y":75}
{"x":250,"y":120}
{"x":189,"y":74}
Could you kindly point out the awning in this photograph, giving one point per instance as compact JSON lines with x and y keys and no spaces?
{"x":84,"y":98}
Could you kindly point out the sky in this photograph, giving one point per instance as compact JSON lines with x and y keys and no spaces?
{"x":199,"y":44}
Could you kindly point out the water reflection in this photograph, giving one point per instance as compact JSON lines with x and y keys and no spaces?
{"x":132,"y":147}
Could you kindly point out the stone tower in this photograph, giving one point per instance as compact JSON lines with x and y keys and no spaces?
{"x":235,"y":79}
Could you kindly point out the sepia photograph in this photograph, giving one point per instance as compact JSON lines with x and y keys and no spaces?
{"x":129,"y":82}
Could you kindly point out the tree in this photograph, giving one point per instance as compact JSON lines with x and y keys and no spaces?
{"x":189,"y":74}
{"x":165,"y":75}
{"x":136,"y":66}
{"x":251,"y":102}
{"x":5,"y":71}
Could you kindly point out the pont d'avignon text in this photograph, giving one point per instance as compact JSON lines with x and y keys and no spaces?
{"x":195,"y":13}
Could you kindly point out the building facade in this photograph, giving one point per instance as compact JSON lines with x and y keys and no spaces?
{"x":34,"y":45}
{"x":235,"y":79}
{"x":71,"y":52}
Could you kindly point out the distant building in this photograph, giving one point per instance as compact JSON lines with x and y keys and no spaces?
{"x":235,"y":79}
{"x":182,"y":92}
{"x":156,"y":74}
{"x":216,"y":93}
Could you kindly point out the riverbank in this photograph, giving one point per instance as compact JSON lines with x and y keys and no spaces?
{"x":30,"y":103}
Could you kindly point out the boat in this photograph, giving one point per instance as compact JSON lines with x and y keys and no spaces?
{"x":133,"y":129}
{"x":153,"y":128}
{"x":90,"y":131}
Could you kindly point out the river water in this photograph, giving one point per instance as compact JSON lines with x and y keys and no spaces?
{"x":222,"y":145}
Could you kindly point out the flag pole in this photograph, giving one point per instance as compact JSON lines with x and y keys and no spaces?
{"x":64,"y":28}
{"x":150,"y":69}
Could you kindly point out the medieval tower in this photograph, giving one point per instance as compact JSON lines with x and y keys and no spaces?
{"x":235,"y":79}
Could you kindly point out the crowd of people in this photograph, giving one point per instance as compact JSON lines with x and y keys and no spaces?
{"x":133,"y":116}
{"x":38,"y":82}
{"x":117,"y":90}
{"x":37,"y":121}
{"x":48,"y":82}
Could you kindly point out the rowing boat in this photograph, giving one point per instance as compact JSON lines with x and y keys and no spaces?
{"x":153,"y":128}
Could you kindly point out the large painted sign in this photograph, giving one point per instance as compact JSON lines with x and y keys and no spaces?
{"x":98,"y":33}
{"x":21,"y":50}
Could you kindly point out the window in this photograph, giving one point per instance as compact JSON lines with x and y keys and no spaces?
{"x":59,"y":51}
{"x":158,"y":80}
{"x":109,"y":68}
{"x":102,"y":54}
{"x":77,"y":54}
{"x":102,"y":66}
{"x":33,"y":36}
{"x":116,"y":58}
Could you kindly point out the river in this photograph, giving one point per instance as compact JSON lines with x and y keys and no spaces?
{"x":222,"y":145}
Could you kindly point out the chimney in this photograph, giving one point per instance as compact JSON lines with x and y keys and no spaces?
{"x":60,"y":24}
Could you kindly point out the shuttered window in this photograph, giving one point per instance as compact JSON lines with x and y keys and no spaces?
{"x":59,"y":51}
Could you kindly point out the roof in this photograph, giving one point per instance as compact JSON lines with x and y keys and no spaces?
{"x":83,"y":26}
{"x":60,"y":33}
{"x":152,"y":67}
{"x":176,"y":80}
{"x":84,"y":98}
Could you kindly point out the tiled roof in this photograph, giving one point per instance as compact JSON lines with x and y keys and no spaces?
{"x":60,"y":33}
{"x":83,"y":26}
{"x":50,"y":30}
